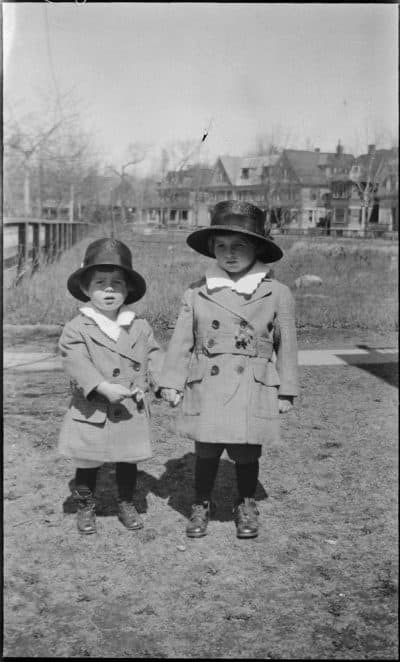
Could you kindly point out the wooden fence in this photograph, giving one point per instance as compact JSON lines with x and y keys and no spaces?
{"x":49,"y":239}
{"x":370,"y":233}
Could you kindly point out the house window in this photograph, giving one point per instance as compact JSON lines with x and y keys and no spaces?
{"x":313,"y":195}
{"x":172,"y":214}
{"x":339,"y":216}
{"x":245,"y":173}
{"x":184,"y":215}
{"x":310,"y":217}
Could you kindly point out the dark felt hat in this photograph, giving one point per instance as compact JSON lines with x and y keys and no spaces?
{"x":242,"y":217}
{"x":108,"y":252}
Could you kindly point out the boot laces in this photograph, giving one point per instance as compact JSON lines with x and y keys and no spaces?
{"x":199,"y":511}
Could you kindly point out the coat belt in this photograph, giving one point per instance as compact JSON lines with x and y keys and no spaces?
{"x":257,"y":347}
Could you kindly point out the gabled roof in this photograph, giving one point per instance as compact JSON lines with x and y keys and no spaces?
{"x":373,"y":163}
{"x":191,"y":177}
{"x":234,"y":166}
{"x":304,"y":165}
{"x":309,"y":167}
{"x":231,"y":165}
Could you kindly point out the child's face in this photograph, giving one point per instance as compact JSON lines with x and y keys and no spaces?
{"x":107,"y":290}
{"x":234,"y":253}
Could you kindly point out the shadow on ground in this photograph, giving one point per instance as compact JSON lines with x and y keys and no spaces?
{"x":175,"y":484}
{"x":388,"y":372}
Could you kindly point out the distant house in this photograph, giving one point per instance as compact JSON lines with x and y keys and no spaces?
{"x":183,"y":196}
{"x":301,"y":187}
{"x":244,"y":178}
{"x":298,"y":189}
{"x":388,"y":191}
{"x":366,"y":197}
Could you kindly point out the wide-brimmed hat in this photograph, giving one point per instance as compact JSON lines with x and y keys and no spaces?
{"x":242,"y":217}
{"x":108,"y":252}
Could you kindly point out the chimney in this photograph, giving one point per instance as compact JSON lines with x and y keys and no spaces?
{"x":339,"y":149}
{"x":371,"y":149}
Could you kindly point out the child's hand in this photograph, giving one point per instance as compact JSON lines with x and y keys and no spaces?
{"x":137,"y":394}
{"x":114,"y":392}
{"x":285,"y":403}
{"x":171,"y":395}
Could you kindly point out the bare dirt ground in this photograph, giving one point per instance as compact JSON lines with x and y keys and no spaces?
{"x":320,"y":581}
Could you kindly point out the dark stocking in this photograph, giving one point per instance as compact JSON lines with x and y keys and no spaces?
{"x":126,"y":475}
{"x":204,"y":477}
{"x":86,"y":478}
{"x":247,"y":476}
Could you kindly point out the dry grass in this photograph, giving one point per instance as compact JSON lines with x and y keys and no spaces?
{"x":359,"y":290}
{"x":320,"y":581}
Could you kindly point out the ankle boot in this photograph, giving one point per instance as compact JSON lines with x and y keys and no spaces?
{"x":128,"y":515}
{"x":246,"y":518}
{"x":86,"y":517}
{"x":198,"y":521}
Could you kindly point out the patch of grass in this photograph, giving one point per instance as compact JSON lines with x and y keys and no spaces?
{"x":320,"y":581}
{"x":359,"y":288}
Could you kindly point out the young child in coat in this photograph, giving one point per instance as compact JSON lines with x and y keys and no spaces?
{"x":112,"y":358}
{"x":233,"y":358}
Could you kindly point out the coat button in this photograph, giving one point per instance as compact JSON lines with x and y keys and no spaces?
{"x":215,"y":324}
{"x":136,"y":367}
{"x":214,"y":370}
{"x":116,"y":372}
{"x":239,"y":369}
{"x":243,"y":324}
{"x":211,"y":343}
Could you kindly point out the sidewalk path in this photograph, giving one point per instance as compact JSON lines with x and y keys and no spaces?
{"x":41,"y":361}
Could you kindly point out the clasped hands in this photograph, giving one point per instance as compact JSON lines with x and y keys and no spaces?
{"x":171,"y":395}
{"x":117,"y":392}
{"x":174,"y":397}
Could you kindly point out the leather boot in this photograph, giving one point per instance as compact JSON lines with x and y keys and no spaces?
{"x":86,"y":516}
{"x":128,"y":515}
{"x":198,"y":521}
{"x":246,"y":519}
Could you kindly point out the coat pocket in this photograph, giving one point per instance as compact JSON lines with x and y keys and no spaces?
{"x":88,"y":411}
{"x":193,"y":394}
{"x":265,"y":390}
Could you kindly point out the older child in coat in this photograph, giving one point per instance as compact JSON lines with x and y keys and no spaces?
{"x":108,"y":354}
{"x":233,"y":356}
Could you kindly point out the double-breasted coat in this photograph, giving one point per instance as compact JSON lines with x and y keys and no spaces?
{"x":232,"y":356}
{"x":93,"y":428}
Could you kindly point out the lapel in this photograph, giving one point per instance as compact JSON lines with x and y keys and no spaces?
{"x":235,"y":304}
{"x":125,"y":345}
{"x":263,"y":290}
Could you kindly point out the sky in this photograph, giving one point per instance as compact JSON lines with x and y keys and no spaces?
{"x":158,"y":73}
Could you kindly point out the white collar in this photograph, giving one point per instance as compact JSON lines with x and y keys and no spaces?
{"x":247,"y":284}
{"x":112,"y":328}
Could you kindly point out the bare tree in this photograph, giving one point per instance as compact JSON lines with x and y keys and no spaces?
{"x":272,"y":141}
{"x":136,"y":153}
{"x":52,"y":152}
{"x":366,"y":176}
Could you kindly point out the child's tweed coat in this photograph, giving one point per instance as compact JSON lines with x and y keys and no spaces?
{"x":93,"y":428}
{"x":221,"y":356}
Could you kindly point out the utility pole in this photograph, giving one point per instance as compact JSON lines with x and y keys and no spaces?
{"x":71,"y":203}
